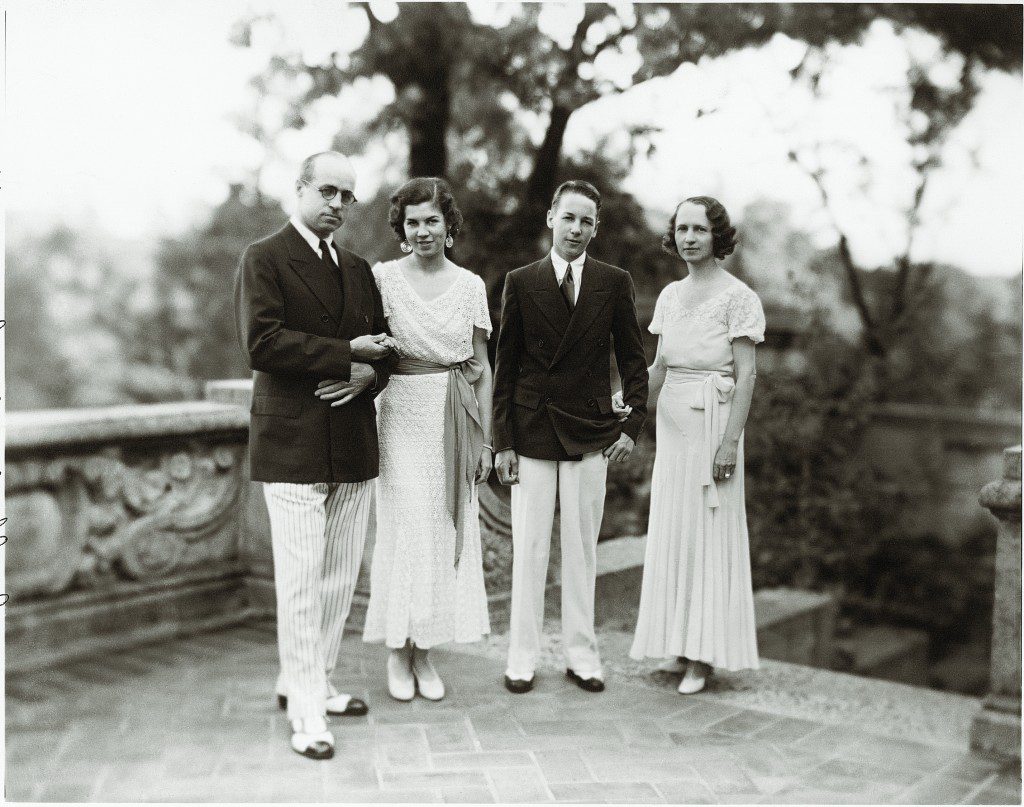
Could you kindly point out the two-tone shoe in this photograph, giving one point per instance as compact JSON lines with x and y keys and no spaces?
{"x":312,"y":740}
{"x":339,"y":704}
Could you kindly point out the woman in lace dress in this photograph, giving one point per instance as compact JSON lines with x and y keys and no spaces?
{"x":696,"y":601}
{"x":434,"y":422}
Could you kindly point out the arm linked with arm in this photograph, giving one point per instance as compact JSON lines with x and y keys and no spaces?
{"x":385,"y":366}
{"x":656,"y":373}
{"x":630,"y":360}
{"x":270,"y":346}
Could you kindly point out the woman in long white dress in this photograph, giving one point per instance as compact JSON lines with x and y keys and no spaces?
{"x":434,"y":423}
{"x":696,"y":601}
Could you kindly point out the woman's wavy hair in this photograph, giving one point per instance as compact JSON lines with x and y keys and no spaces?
{"x":419,"y":190}
{"x":723,"y":234}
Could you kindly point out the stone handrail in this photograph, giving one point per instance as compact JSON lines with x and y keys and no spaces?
{"x":130,"y":510}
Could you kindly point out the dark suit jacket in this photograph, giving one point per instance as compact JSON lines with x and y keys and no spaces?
{"x":295,"y":328}
{"x":552,"y":386}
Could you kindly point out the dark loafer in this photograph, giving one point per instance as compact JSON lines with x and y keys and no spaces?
{"x":518,"y":687}
{"x":588,"y":684}
{"x":354,"y":708}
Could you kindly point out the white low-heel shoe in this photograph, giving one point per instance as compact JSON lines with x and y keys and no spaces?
{"x":676,"y":666}
{"x":692,"y":682}
{"x":401,"y":683}
{"x":428,"y":681}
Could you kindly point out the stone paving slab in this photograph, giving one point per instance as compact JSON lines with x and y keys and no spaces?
{"x":195,"y":720}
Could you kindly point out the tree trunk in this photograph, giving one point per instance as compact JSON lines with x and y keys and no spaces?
{"x":544,"y":177}
{"x":428,"y":151}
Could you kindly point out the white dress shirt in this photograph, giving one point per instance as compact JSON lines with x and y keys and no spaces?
{"x":561,"y":264}
{"x":314,"y":240}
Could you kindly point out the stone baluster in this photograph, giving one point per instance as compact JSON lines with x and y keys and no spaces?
{"x":996,"y":729}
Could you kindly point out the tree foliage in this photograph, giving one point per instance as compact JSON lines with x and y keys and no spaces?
{"x":191,"y":325}
{"x":461,"y":83}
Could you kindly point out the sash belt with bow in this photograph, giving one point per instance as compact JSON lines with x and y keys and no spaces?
{"x":714,"y":390}
{"x":463,"y":433}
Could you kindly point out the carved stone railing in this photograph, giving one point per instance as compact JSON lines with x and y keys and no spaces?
{"x":996,"y":730}
{"x":122,"y":526}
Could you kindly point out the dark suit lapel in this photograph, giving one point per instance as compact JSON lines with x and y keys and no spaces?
{"x":593,"y":297}
{"x":310,"y":268}
{"x":548,"y":297}
{"x":354,"y":313}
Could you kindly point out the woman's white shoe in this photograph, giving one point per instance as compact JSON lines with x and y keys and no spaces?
{"x":428,"y":681}
{"x":694,"y":680}
{"x":401,"y":683}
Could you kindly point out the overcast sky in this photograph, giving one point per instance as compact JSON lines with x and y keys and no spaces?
{"x":121,"y":113}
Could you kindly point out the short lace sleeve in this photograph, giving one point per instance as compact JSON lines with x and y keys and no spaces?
{"x":745,"y":316}
{"x":658,"y":320}
{"x":481,"y":313}
{"x":382,"y":279}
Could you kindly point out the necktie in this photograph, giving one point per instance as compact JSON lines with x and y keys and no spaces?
{"x":569,"y":289}
{"x":325,"y":253}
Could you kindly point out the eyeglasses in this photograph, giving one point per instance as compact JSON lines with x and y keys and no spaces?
{"x":329,"y":192}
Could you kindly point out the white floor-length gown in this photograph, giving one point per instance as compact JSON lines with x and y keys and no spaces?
{"x":415,"y":590}
{"x":696,"y":598}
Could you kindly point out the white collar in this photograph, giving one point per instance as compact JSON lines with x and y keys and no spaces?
{"x":561,"y":263}
{"x":309,"y":236}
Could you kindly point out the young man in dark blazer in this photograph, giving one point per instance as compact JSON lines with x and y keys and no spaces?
{"x":555,"y":428}
{"x":311,"y":321}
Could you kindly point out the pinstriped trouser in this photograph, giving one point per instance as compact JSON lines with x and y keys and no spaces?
{"x":318,"y":532}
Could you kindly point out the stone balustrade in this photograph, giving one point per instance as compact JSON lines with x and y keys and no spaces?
{"x":122,"y":526}
{"x":996,"y":730}
{"x":134,"y":524}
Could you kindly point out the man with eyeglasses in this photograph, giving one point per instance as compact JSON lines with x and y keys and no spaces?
{"x":311,"y":321}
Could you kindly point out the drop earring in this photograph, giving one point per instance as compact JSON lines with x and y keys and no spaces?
{"x":405,"y":246}
{"x":449,"y":241}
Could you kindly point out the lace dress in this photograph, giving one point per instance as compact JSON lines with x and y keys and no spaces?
{"x":696,"y":598}
{"x":415,"y":590}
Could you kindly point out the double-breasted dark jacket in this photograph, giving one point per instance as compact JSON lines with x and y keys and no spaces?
{"x":295,"y":320}
{"x":552,"y":385}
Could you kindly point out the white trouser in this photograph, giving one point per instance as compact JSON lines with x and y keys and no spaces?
{"x":580,"y":486}
{"x":318,"y":531}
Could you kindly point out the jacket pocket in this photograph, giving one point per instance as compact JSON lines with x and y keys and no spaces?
{"x":527,"y":398}
{"x":276,"y":406}
{"x":604,"y":405}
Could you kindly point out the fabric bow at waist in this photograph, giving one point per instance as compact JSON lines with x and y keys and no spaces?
{"x":714,"y":390}
{"x":463,"y":433}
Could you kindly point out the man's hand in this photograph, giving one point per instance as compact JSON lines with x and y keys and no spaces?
{"x":620,"y":449}
{"x":619,"y":407}
{"x":371,"y":346}
{"x":506,"y":463}
{"x":483,"y":466}
{"x":340,"y":393}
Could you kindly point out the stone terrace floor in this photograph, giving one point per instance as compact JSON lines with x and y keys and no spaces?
{"x":194,"y":720}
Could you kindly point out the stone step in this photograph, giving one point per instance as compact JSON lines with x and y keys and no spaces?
{"x":881,"y":651}
{"x":792,"y":625}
